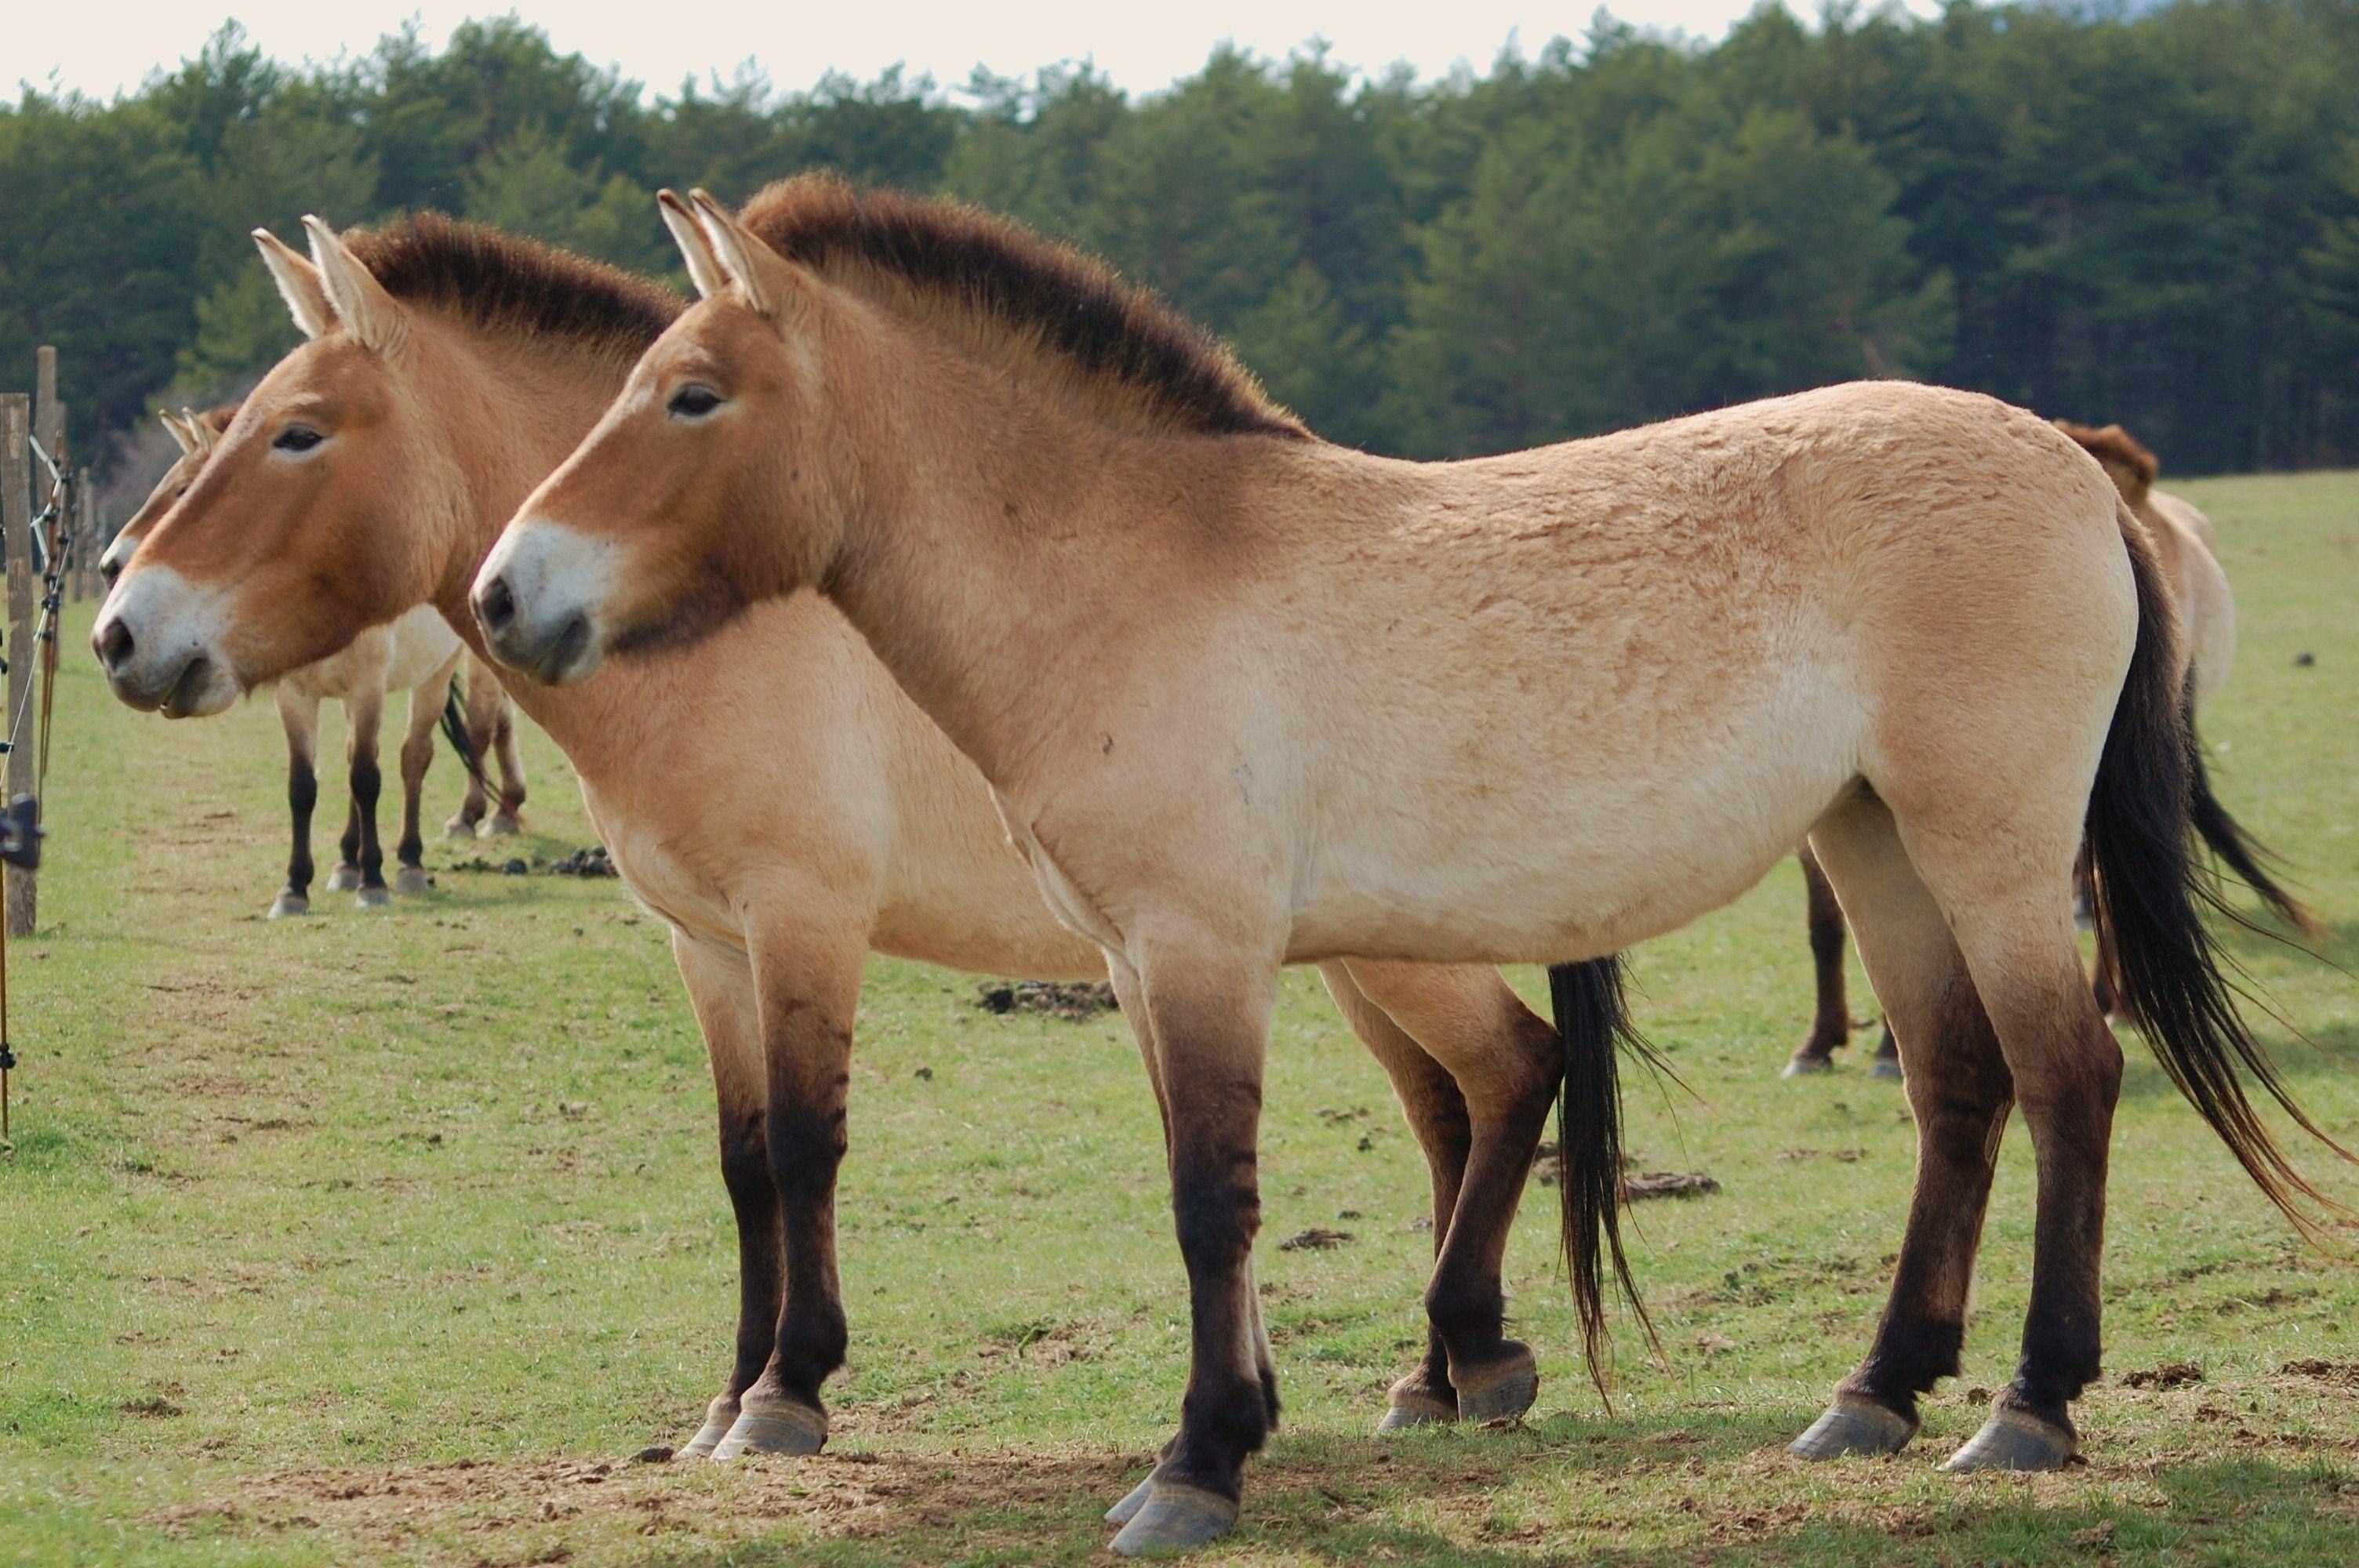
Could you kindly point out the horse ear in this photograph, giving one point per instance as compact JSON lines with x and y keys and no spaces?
{"x":703,"y":270}
{"x":201,"y":430}
{"x":767,"y":278}
{"x":298,"y":281}
{"x":182,"y":436}
{"x":372,"y":316}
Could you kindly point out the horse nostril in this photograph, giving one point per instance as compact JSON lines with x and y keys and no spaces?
{"x":114,"y":645}
{"x":496,"y":606}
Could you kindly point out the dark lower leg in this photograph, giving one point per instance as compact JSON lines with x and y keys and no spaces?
{"x":754,"y":1195}
{"x":1959,"y":1088}
{"x":349,"y":846}
{"x":417,"y":753}
{"x":1465,"y":1300}
{"x":1216,"y":1206}
{"x":1831,"y":1028}
{"x":809,"y":1050}
{"x":366,"y":785}
{"x":2070,"y":1110}
{"x":302,"y":795}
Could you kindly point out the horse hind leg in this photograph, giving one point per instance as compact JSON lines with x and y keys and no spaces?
{"x":417,"y":755}
{"x":507,"y":818}
{"x":300,"y":715}
{"x":1437,"y":1117}
{"x":1505,"y":1066}
{"x":1830,"y":1024}
{"x":1957,"y":1086}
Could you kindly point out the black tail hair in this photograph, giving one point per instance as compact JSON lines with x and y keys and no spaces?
{"x":2236,"y":848}
{"x":1592,"y":1017}
{"x":2152,"y":891}
{"x":454,"y":730}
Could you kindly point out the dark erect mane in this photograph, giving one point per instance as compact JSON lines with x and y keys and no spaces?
{"x":2114,"y":446}
{"x":502,"y":283}
{"x":1031,"y":294}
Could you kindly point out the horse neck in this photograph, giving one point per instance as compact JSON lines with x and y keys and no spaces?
{"x":999,"y":539}
{"x":516,"y":416}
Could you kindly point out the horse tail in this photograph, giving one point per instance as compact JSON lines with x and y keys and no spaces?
{"x":2151,"y":894}
{"x":1593,"y":1020}
{"x":454,"y":730}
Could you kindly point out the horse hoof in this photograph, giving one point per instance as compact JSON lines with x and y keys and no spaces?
{"x":1132,"y":1501}
{"x":1808,"y":1066}
{"x":1416,"y":1407}
{"x":343,"y":879}
{"x":773,"y":1426}
{"x":1853,"y":1426}
{"x":288,"y":903}
{"x":499,"y":824}
{"x":1503,"y":1392}
{"x":2015,"y":1440}
{"x":1176,"y":1516}
{"x":412,"y":880}
{"x":1883,"y":1068}
{"x":458,"y":827}
{"x":372,"y":898}
{"x":719,"y":1417}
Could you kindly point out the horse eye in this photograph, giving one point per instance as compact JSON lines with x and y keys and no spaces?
{"x":693,"y":401}
{"x":298,"y":439}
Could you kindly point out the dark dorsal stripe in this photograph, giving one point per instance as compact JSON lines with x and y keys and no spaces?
{"x":1032,"y":287}
{"x":502,"y":283}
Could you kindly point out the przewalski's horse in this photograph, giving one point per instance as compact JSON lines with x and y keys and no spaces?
{"x":449,"y":369}
{"x":419,"y":655}
{"x":1245,"y":699}
{"x":2188,"y":550}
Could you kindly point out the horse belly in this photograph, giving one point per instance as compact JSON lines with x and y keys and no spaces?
{"x":1573,"y":847}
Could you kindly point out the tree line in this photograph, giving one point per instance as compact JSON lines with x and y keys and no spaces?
{"x":2153,"y":219}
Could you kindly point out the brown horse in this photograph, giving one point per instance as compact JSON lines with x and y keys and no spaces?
{"x":419,"y":655}
{"x":2187,"y":548}
{"x":1247,"y":698}
{"x":448,"y":370}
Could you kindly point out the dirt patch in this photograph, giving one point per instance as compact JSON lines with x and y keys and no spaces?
{"x":1317,"y":1238}
{"x":1667,"y":1184}
{"x":1076,"y":1000}
{"x":2169,"y":1375}
{"x":2344,"y":1372}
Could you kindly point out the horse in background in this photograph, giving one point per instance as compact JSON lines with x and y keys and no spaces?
{"x":2188,"y":547}
{"x":416,"y":654}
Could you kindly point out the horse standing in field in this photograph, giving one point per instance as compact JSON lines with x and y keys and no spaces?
{"x":447,"y":370}
{"x":417,"y":654}
{"x":2188,"y":551}
{"x":1245,"y":698}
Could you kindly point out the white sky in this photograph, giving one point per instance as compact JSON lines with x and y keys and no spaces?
{"x":103,"y":47}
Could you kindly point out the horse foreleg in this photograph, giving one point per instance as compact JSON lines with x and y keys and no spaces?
{"x":300,"y":715}
{"x":426,"y":704}
{"x":807,"y":985}
{"x":720,"y":990}
{"x":1208,"y":1014}
{"x":365,"y":710}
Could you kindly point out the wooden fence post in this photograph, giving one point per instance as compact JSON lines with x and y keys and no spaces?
{"x":24,"y":658}
{"x":85,"y":537}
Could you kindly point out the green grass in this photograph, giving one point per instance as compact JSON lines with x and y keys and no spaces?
{"x":384,"y":1236}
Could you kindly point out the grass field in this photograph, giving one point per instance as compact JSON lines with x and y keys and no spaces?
{"x":396,"y":1236}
